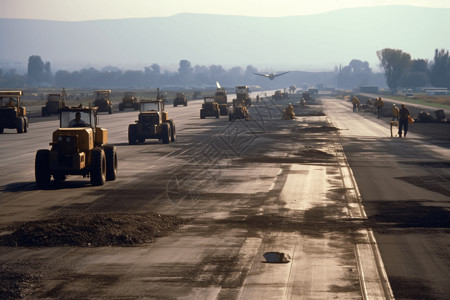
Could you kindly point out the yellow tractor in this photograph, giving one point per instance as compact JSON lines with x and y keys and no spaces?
{"x":238,"y":111}
{"x":54,"y":103}
{"x":12,"y":114}
{"x":129,"y":100}
{"x":153,"y":123}
{"x":210,"y":108}
{"x":103,"y":101}
{"x":222,"y":99}
{"x":78,"y":148}
{"x":180,"y":100}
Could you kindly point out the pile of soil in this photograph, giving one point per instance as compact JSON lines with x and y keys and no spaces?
{"x":314,"y":153}
{"x":95,"y":230}
{"x":320,"y":129}
{"x":15,"y":283}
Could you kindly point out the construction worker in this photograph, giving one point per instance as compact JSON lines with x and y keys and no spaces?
{"x":303,"y":102}
{"x":77,"y":122}
{"x":288,"y":113}
{"x":379,"y":104}
{"x":355,"y":102}
{"x":10,"y":103}
{"x":395,"y":111}
{"x":403,"y":116}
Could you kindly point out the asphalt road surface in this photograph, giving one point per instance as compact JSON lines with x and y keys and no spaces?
{"x":245,"y":188}
{"x":405,"y":187}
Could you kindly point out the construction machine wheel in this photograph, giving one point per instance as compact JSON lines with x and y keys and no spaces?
{"x":217,"y":114}
{"x":202,"y":114}
{"x":165,"y":133}
{"x":173,"y":133}
{"x":98,"y":167}
{"x":42,"y":172}
{"x":1,"y":130}
{"x":230,"y":117}
{"x":44,"y":111}
{"x":110,"y":109}
{"x":140,"y":139}
{"x":120,"y":106}
{"x":132,"y":134}
{"x":20,"y":124}
{"x":25,"y":128}
{"x":59,"y":176}
{"x":174,"y":104}
{"x":111,"y":162}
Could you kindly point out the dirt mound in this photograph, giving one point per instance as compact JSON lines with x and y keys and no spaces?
{"x":314,"y":153}
{"x":94,"y":230}
{"x":317,"y":129}
{"x":15,"y":284}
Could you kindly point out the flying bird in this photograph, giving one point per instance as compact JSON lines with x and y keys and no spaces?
{"x":271,"y":76}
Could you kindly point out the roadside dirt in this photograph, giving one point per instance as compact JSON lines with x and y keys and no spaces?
{"x":93,"y":230}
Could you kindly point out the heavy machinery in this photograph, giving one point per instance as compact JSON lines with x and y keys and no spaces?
{"x":243,"y":94}
{"x":153,"y":123}
{"x":54,"y":103}
{"x":78,"y":148}
{"x":306,"y":96}
{"x":180,"y":100}
{"x":210,"y":108}
{"x":129,"y":100}
{"x":279,"y":95}
{"x":103,"y":102}
{"x":238,"y":111}
{"x":221,"y":98}
{"x":12,"y":114}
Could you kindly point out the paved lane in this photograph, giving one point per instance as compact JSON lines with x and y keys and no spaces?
{"x":405,"y":187}
{"x":248,"y":187}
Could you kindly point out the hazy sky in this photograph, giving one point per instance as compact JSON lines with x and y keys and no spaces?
{"x":77,"y":10}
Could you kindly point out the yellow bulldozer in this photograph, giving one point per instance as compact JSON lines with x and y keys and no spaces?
{"x":78,"y":147}
{"x":153,"y":123}
{"x":12,"y":114}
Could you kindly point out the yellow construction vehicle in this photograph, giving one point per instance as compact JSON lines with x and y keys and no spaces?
{"x":103,"y":102}
{"x":153,"y":123}
{"x":210,"y":108}
{"x":129,"y":100}
{"x":78,"y":148}
{"x":12,"y":114}
{"x":222,"y":99}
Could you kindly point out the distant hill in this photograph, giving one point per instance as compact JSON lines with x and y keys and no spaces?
{"x":300,"y":42}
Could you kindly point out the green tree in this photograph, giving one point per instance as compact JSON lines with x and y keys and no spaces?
{"x":394,"y":63}
{"x":417,"y":75}
{"x":35,"y":70}
{"x":440,"y":69}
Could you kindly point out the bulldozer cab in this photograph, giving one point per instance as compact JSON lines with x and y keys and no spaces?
{"x":209,"y":100}
{"x":102,"y":94}
{"x":78,"y":117}
{"x":129,"y":97}
{"x":129,"y":94}
{"x":54,"y":97}
{"x":10,"y":99}
{"x":151,"y":106}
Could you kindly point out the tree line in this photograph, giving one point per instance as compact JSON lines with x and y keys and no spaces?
{"x":39,"y":74}
{"x":401,"y":71}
